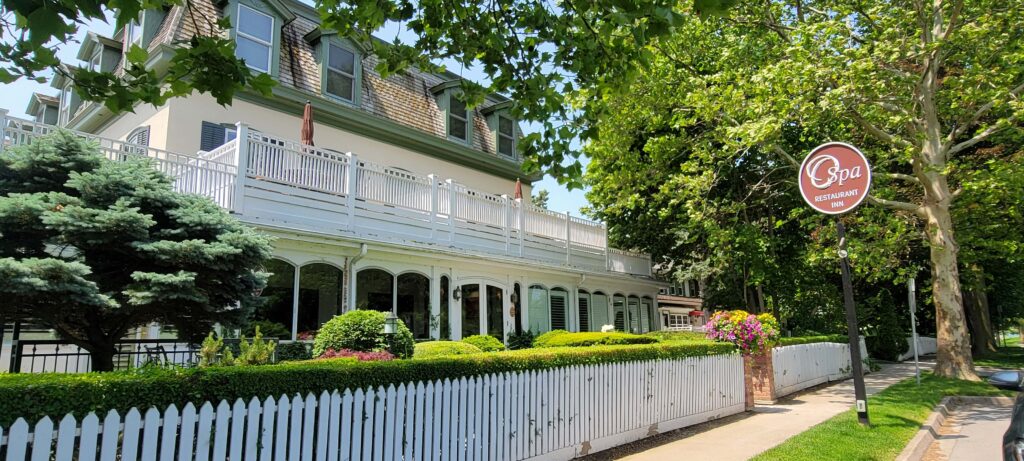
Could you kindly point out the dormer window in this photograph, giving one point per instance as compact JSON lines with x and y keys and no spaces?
{"x":134,"y":34}
{"x":506,"y":136}
{"x":254,"y":40}
{"x":341,"y":72}
{"x":458,"y":118}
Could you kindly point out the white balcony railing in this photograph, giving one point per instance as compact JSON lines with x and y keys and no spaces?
{"x":324,"y":189}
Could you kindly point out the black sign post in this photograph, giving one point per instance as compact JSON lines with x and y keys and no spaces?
{"x":834,"y":179}
{"x":852,"y":331}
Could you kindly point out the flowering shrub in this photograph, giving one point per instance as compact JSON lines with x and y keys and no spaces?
{"x":374,"y":356}
{"x":751,"y":333}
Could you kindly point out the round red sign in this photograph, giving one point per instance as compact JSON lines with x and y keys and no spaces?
{"x":835,"y":178}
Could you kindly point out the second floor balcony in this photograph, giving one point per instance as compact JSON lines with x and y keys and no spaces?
{"x":281,"y":183}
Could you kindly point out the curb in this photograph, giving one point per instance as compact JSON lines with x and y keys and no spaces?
{"x":928,"y":433}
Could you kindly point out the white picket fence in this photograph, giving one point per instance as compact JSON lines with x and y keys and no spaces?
{"x":553,"y":414}
{"x":805,"y":365}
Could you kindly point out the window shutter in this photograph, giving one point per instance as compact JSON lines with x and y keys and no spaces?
{"x":584,"y":313}
{"x":557,"y":311}
{"x":212,"y":136}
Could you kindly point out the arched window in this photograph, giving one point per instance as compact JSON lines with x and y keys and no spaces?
{"x":139,"y":136}
{"x":619,"y":309}
{"x":539,"y":320}
{"x":375,"y":290}
{"x":414,"y":303}
{"x":634,"y":314}
{"x":278,"y":295}
{"x":598,"y":310}
{"x":319,"y":295}
{"x":559,"y":301}
{"x":446,"y":328}
{"x":583,"y":308}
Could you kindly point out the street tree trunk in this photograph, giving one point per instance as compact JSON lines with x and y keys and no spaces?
{"x":978,"y":316}
{"x":953,"y":359}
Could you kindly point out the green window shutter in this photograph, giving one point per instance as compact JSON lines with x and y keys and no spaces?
{"x":212,"y":136}
{"x":584,"y":309}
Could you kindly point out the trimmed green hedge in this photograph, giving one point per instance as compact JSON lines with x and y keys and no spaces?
{"x":433,"y":349}
{"x":33,"y":396}
{"x":542,"y":339}
{"x":485,"y":343}
{"x":597,"y":338}
{"x":678,"y":335}
{"x":814,"y":339}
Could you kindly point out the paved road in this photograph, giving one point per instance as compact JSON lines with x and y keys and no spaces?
{"x":972,"y":432}
{"x":742,"y":436}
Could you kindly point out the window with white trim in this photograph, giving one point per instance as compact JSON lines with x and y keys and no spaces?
{"x":341,"y":72}
{"x":506,"y":136}
{"x":254,"y":38}
{"x":134,"y":34}
{"x":458,"y":118}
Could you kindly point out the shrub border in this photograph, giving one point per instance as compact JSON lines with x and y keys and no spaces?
{"x":813,"y":339}
{"x":33,"y":396}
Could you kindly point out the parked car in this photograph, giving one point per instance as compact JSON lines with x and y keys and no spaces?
{"x":1013,"y":438}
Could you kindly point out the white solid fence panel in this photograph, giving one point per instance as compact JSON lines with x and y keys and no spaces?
{"x":549,"y":414}
{"x":805,"y":365}
{"x":925,"y":346}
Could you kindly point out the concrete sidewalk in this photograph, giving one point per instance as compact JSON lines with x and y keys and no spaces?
{"x":740,"y":437}
{"x":972,"y":431}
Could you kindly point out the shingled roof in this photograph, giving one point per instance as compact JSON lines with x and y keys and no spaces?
{"x":405,"y":99}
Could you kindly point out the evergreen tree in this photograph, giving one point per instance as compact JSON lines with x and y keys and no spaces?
{"x":94,"y":248}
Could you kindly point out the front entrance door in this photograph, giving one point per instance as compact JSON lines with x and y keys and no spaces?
{"x":470,"y":310}
{"x":496,"y":312}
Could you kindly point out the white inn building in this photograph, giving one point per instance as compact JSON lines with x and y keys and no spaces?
{"x":406,"y":204}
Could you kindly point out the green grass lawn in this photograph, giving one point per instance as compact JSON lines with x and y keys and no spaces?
{"x":1005,"y":357}
{"x":896,"y":415}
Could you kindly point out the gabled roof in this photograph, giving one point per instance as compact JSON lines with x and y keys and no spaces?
{"x":281,"y":9}
{"x":39,"y":100}
{"x":91,"y":41}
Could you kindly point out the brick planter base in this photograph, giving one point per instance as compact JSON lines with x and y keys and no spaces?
{"x":759,"y":378}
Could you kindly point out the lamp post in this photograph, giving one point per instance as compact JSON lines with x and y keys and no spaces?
{"x":391,"y":324}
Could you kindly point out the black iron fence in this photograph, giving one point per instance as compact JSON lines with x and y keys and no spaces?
{"x":49,"y":356}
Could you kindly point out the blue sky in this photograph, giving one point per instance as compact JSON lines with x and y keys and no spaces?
{"x":15,"y":97}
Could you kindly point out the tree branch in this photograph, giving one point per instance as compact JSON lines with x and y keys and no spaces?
{"x":895,"y":204}
{"x":904,"y":177}
{"x":976,"y":139}
{"x":878,"y":133}
{"x":785,"y":155}
{"x":978,"y":114}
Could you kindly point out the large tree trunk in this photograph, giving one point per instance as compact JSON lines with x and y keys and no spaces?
{"x":978,"y":315}
{"x":953,"y":359}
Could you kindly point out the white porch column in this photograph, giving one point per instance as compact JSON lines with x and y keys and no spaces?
{"x":295,"y":303}
{"x":484,"y":301}
{"x":242,"y":163}
{"x":433,"y":206}
{"x":352,"y":189}
{"x":452,"y":203}
{"x":455,"y":307}
{"x":435,"y":302}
